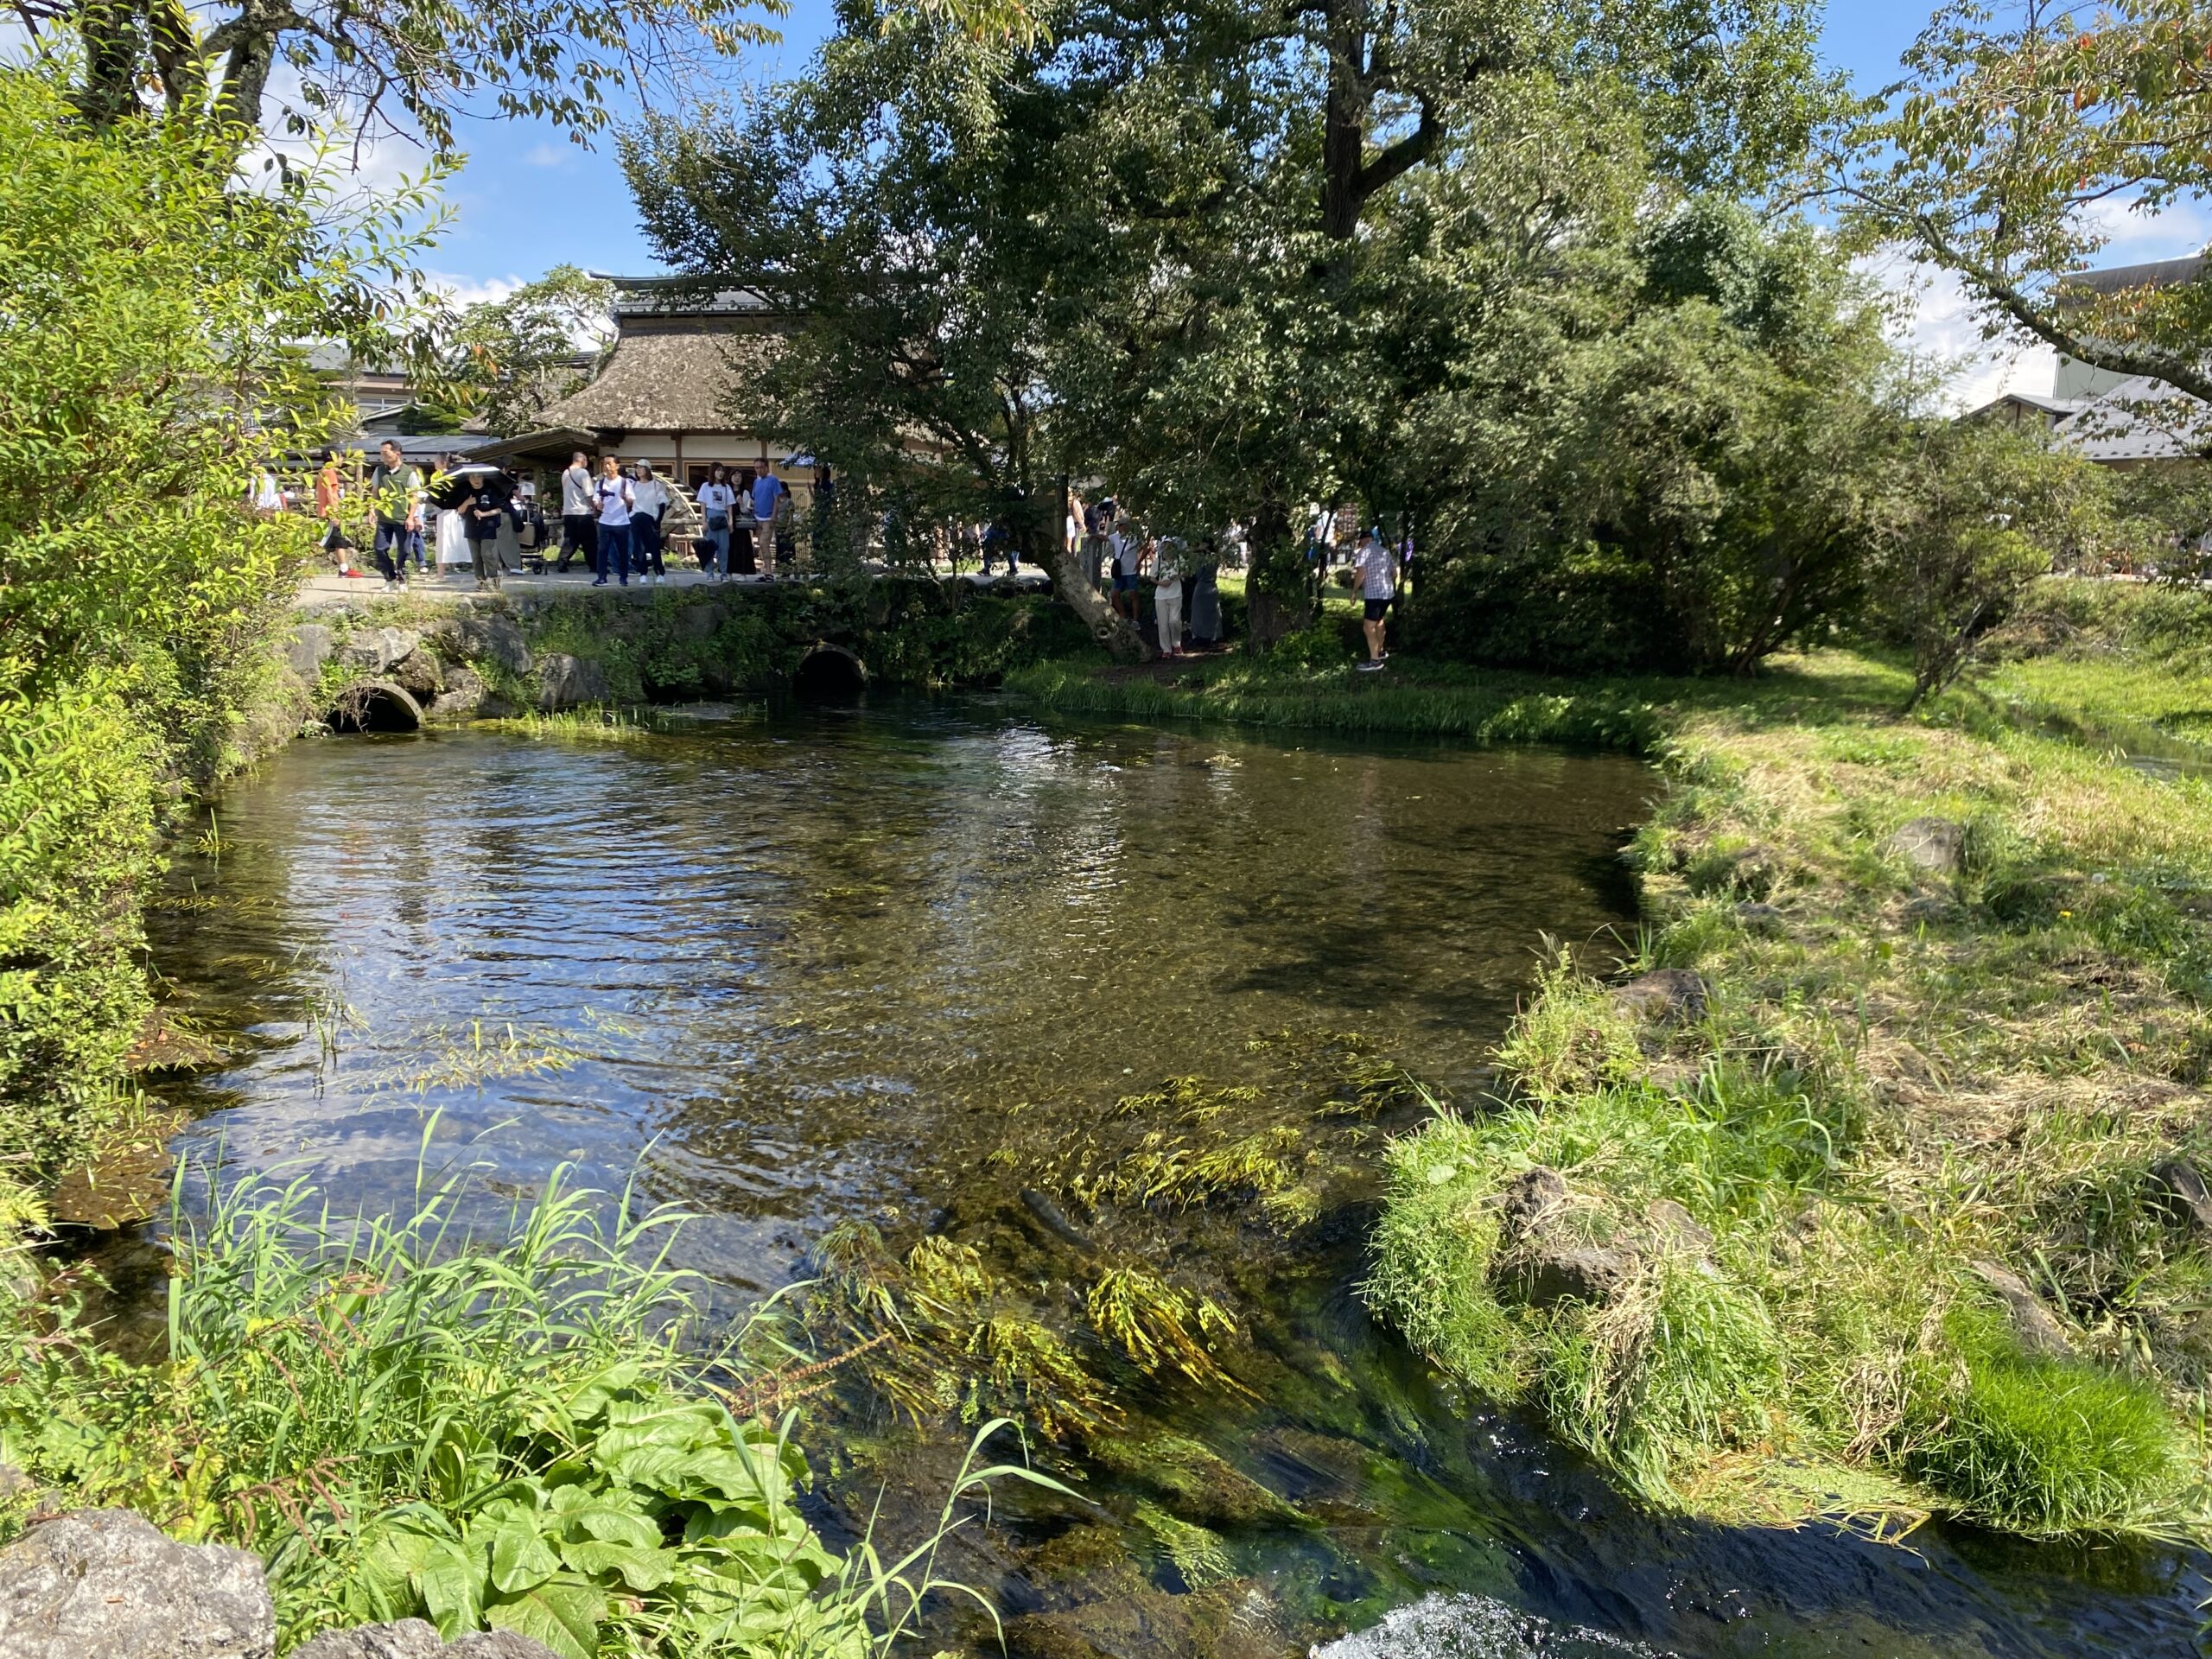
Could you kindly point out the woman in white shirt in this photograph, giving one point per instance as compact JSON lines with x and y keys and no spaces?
{"x":612,"y":493}
{"x":718,"y":504}
{"x":649,"y":501}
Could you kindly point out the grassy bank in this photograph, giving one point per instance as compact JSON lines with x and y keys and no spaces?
{"x":521,"y":1425}
{"x":1903,"y":1217}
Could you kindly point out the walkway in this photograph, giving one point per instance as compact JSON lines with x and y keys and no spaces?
{"x":327,"y":586}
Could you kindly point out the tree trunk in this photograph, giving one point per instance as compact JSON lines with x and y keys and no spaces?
{"x":1276,"y":602}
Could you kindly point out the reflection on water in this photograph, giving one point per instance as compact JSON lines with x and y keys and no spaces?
{"x":812,"y":965}
{"x":805,"y":966}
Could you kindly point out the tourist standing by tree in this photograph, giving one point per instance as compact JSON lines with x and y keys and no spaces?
{"x":578,"y":514}
{"x":717,"y":505}
{"x":649,"y":505}
{"x":1097,"y":525}
{"x":1377,"y":585}
{"x":395,"y":503}
{"x":611,"y":495}
{"x":1167,"y":594}
{"x":330,"y":506}
{"x":1128,"y":559}
{"x":767,"y":488}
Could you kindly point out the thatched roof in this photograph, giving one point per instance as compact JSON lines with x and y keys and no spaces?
{"x":675,"y":380}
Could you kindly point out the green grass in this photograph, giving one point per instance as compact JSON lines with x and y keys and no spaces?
{"x":1900,"y":1076}
{"x":508,"y":1428}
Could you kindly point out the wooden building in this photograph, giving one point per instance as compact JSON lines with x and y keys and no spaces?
{"x":667,"y":391}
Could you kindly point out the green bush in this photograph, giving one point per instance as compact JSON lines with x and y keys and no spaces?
{"x":78,"y":802}
{"x":147,"y":375}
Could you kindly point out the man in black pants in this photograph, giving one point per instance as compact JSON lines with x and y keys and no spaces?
{"x":579,"y":518}
{"x":395,"y":495}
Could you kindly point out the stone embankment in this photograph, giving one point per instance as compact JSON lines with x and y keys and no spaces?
{"x":395,"y":664}
{"x":110,"y":1583}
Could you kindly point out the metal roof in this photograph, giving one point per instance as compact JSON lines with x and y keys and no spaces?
{"x":2139,"y":419}
{"x":2157,"y":273}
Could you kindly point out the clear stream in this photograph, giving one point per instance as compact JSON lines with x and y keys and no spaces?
{"x":799,"y":966}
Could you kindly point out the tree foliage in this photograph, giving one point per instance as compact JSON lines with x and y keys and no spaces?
{"x":506,"y":359}
{"x":411,"y":65}
{"x":146,"y":374}
{"x":2017,"y":142}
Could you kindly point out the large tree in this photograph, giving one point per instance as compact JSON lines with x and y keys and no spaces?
{"x":2016,"y":143}
{"x":1151,"y":246}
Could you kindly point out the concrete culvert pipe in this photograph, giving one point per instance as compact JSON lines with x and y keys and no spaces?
{"x":829,"y":674}
{"x":375,"y":706}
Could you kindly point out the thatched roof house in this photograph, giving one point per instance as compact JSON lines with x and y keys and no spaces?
{"x":665,"y":393}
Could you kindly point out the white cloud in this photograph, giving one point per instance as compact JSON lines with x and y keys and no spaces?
{"x":1943,"y":329}
{"x":463,"y":291}
{"x":1940,"y":328}
{"x":549,"y":154}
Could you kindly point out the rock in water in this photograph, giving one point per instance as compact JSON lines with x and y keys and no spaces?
{"x":563,"y":681}
{"x":1673,"y":995}
{"x":411,"y":1638}
{"x":107,"y":1582}
{"x":1935,"y":845}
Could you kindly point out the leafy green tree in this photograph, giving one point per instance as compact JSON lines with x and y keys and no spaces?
{"x":147,"y":375}
{"x":414,"y":64}
{"x":1682,"y":473}
{"x":506,"y":359}
{"x":1978,"y":513}
{"x":2007,"y":150}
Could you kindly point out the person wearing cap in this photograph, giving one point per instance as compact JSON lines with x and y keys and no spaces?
{"x":1378,"y":575}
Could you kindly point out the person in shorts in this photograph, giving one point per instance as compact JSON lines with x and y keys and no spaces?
{"x":1128,"y":549}
{"x":1379,"y":585}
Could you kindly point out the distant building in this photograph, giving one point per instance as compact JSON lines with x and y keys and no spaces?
{"x":666,"y":391}
{"x":2115,"y":420}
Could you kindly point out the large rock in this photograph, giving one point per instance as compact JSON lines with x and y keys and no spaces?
{"x":1542,"y":1262}
{"x":421,"y":673}
{"x":1673,"y":996}
{"x":378,"y":649}
{"x":1935,"y":846}
{"x":2036,"y":1327}
{"x":487,"y":636}
{"x":307,"y":650}
{"x":465,"y":697}
{"x":564,"y":680}
{"x":105,"y":1584}
{"x":411,"y":1638}
{"x":2180,"y":1191}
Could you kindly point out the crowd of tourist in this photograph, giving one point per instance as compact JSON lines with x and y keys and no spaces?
{"x":618,"y":521}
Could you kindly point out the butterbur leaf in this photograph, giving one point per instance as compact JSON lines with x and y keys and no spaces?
{"x":451,"y":1577}
{"x":590,"y":1403}
{"x":521,"y":1556}
{"x":565,"y":1616}
{"x":641,"y":1569}
{"x":614,"y":1517}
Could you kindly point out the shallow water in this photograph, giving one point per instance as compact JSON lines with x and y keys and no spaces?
{"x":813,"y":965}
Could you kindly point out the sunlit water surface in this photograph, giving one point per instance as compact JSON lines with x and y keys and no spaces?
{"x":790,"y":969}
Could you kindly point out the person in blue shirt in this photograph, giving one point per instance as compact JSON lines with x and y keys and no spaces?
{"x":766,"y":487}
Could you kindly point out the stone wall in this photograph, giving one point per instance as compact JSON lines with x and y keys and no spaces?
{"x":385,"y":663}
